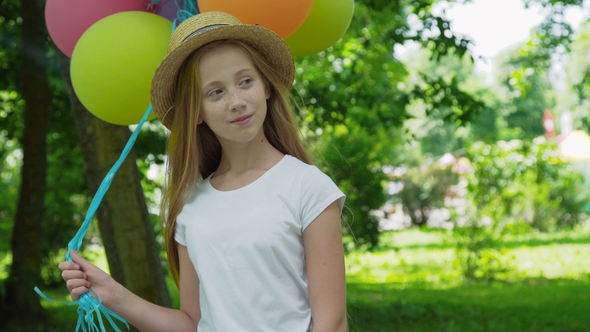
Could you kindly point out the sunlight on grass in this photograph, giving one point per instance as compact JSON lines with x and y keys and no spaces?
{"x":413,"y":237}
{"x":412,"y":258}
{"x":97,"y":256}
{"x":411,"y":283}
{"x":406,"y":267}
{"x":5,"y":261}
{"x":567,"y":261}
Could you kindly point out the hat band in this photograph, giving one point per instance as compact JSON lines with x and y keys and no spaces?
{"x":203,"y":29}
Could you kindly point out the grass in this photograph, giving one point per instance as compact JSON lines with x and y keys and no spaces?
{"x":536,"y":305}
{"x":411,"y":283}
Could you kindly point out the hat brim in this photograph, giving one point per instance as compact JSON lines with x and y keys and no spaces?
{"x":265,"y":41}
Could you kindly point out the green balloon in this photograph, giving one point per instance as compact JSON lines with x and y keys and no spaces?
{"x":325,"y":25}
{"x":113,"y":64}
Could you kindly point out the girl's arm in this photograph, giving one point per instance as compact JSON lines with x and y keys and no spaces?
{"x":144,"y":315}
{"x":324,"y":254}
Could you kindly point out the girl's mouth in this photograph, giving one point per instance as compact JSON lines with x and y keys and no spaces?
{"x":242,"y":120}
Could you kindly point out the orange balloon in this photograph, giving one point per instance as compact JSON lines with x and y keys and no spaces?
{"x":281,"y":16}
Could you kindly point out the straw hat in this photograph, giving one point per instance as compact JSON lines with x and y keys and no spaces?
{"x":202,"y":29}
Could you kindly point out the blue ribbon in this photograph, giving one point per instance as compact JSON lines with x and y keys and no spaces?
{"x":88,"y":305}
{"x":188,"y":9}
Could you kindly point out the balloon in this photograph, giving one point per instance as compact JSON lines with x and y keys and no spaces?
{"x":113,"y":64}
{"x":67,"y":20}
{"x":326,"y":24}
{"x":168,"y":8}
{"x":280,"y":16}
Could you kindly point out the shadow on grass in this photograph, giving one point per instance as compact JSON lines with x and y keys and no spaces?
{"x":532,"y":305}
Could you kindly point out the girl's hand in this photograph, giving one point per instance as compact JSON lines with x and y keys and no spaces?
{"x":82,"y":275}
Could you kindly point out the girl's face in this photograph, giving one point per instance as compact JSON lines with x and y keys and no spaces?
{"x":233,"y":95}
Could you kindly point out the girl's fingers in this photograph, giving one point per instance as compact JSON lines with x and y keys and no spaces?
{"x":77,"y":283}
{"x":75,"y":266}
{"x":79,"y":260}
{"x":73,"y":274}
{"x":76,"y":292}
{"x":68,"y":266}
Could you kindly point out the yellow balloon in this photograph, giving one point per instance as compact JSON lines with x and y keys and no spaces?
{"x":326,"y":23}
{"x":113,"y":64}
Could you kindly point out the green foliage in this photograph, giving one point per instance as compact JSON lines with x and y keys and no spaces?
{"x":477,"y":252}
{"x":11,"y":159}
{"x":525,"y":181}
{"x":357,"y":170}
{"x":67,"y":196}
{"x":528,"y":93}
{"x":448,"y":99}
{"x":424,"y":189}
{"x":350,"y":116}
{"x":66,"y":193}
{"x":11,"y":121}
{"x":514,"y":181}
{"x":353,"y":107}
{"x":577,"y":97}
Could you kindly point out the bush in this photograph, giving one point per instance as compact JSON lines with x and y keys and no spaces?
{"x":424,"y":189}
{"x":530,"y":183}
{"x":512,"y":183}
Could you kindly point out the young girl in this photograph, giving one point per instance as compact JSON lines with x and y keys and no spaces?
{"x":253,"y":230}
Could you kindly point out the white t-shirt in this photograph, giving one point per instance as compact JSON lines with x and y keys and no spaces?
{"x":247,"y":247}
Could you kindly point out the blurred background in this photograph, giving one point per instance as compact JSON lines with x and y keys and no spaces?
{"x":457,"y":129}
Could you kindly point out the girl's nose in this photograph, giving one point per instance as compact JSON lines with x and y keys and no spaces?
{"x":236,"y":101}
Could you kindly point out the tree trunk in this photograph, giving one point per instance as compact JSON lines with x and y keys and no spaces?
{"x":124,"y":222}
{"x":23,"y":306}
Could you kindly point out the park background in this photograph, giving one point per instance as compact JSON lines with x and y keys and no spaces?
{"x":466,"y":169}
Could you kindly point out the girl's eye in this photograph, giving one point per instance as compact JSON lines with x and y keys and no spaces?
{"x":246,"y":81}
{"x":215,"y":92}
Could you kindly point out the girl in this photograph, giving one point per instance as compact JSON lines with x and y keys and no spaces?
{"x":252,"y":229}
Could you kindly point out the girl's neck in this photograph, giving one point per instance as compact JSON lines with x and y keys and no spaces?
{"x":258,"y":154}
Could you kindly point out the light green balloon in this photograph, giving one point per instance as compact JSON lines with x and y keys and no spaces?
{"x":325,"y":25}
{"x":113,"y":64}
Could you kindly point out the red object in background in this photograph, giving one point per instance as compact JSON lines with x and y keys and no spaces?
{"x":549,"y":124}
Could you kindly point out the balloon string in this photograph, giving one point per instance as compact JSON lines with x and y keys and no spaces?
{"x":186,"y":9}
{"x":88,"y":305}
{"x":76,"y":242}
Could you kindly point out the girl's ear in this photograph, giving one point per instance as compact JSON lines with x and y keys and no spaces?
{"x":267,"y":91}
{"x":199,"y":119}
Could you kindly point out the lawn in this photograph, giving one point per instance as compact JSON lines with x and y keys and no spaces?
{"x":411,"y":283}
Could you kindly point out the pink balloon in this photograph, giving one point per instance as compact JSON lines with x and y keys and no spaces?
{"x":67,"y":20}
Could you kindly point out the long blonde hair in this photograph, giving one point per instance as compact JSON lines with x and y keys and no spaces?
{"x":193,"y":150}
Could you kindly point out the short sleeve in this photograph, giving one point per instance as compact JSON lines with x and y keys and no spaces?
{"x":318,"y":191}
{"x":179,"y":234}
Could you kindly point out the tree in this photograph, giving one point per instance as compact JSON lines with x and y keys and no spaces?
{"x":124,"y":221}
{"x":577,"y":97}
{"x":354,"y":102}
{"x":24,"y":305}
{"x":125,"y":224}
